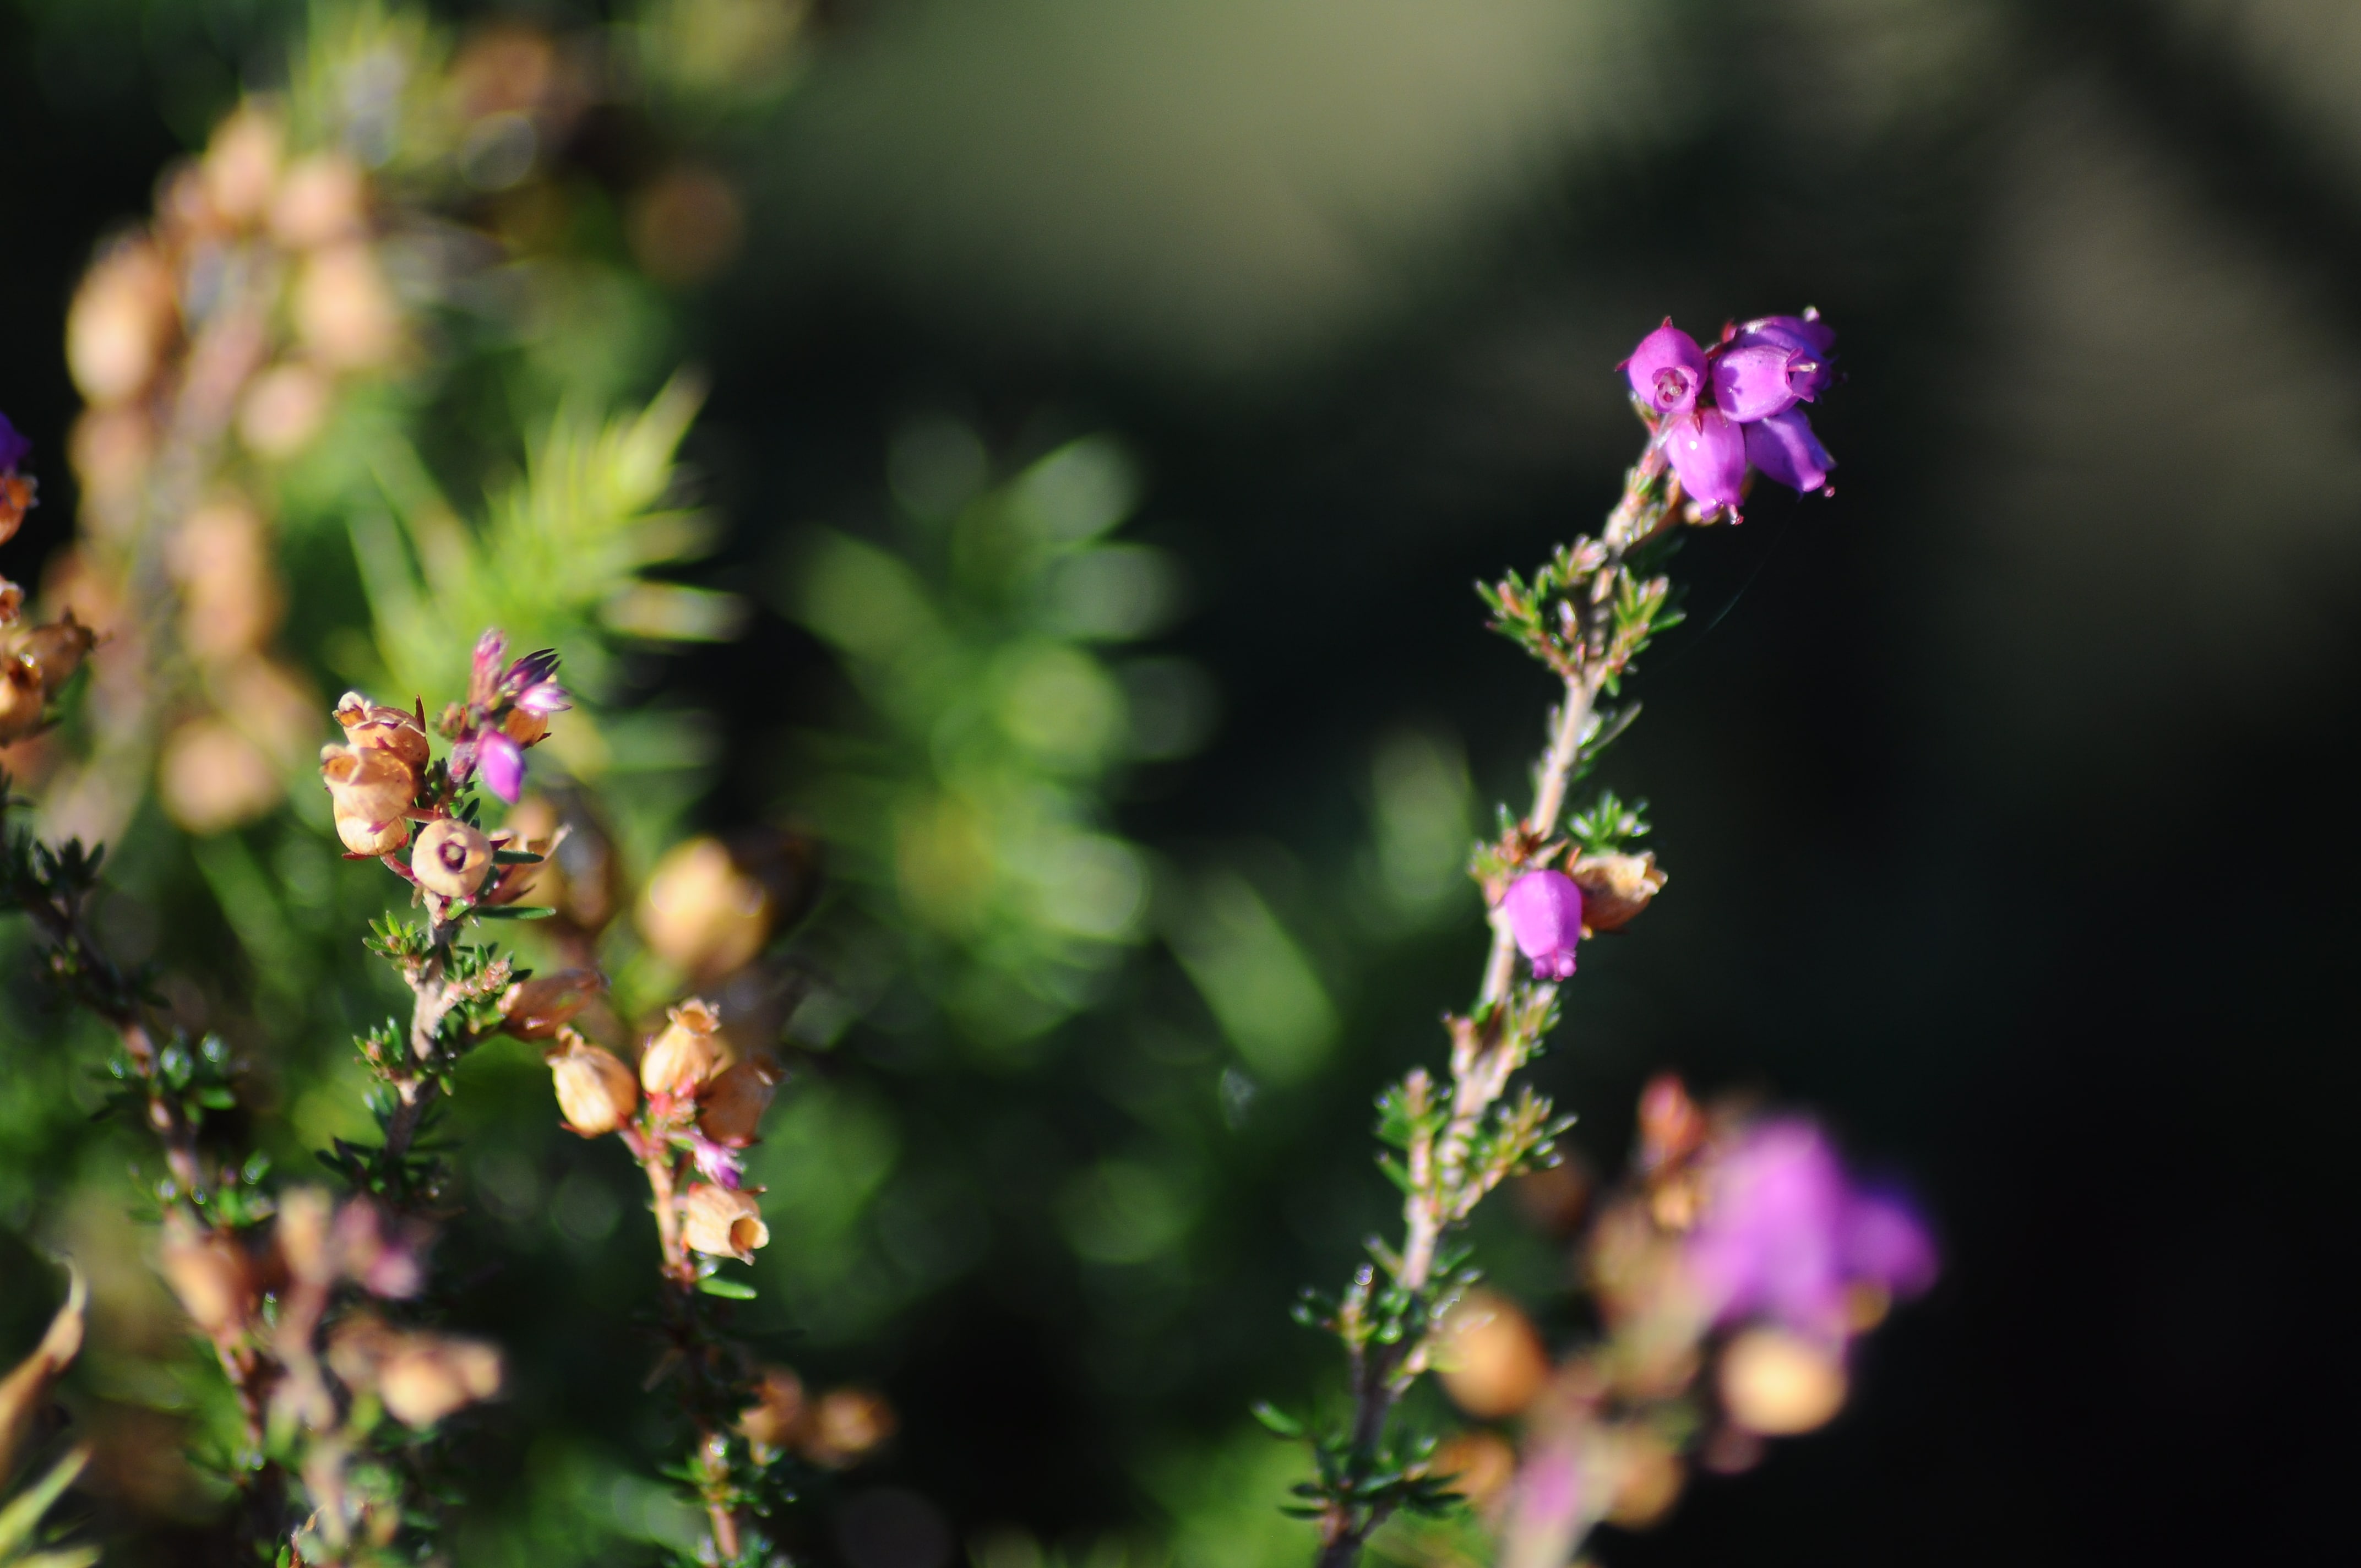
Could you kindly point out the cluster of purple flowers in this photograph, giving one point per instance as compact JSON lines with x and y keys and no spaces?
{"x":1785,"y":1237}
{"x":1737,"y":403}
{"x":507,"y":709}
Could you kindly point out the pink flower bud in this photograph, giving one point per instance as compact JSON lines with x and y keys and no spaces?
{"x":1667,"y":371}
{"x":501,"y":761}
{"x":1812,"y":340}
{"x":1544,"y":911}
{"x":1708,"y":453}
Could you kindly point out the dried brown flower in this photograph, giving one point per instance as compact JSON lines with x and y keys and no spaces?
{"x":723,"y":1222}
{"x":686,"y":1055}
{"x":370,"y":790}
{"x":1615,"y":888}
{"x":731,"y":1110}
{"x":536,"y":1009}
{"x":596,"y":1091}
{"x":451,"y":858}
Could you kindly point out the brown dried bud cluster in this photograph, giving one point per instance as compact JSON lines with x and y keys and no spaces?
{"x":838,"y":1430}
{"x":687,"y":1053}
{"x":372,"y":778}
{"x":212,"y":1277}
{"x":723,"y":1222}
{"x":596,"y":1091}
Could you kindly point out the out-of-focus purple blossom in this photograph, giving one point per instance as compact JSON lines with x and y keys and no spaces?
{"x":13,"y":445}
{"x":1886,"y":1243}
{"x":1784,"y":447}
{"x":717,"y":1163}
{"x":1811,"y":340}
{"x":543,"y":698}
{"x":1708,"y":452}
{"x":502,"y":763}
{"x":1754,"y":382}
{"x":1667,"y":371}
{"x":1544,"y":911}
{"x":1784,"y":1236}
{"x":484,"y":670}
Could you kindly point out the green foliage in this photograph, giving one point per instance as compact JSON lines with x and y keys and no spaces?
{"x":969,"y":807}
{"x":23,"y":1543}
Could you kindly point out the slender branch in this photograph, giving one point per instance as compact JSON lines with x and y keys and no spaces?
{"x":1489,"y":1046}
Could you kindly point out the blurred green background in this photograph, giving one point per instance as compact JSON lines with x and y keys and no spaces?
{"x":2005,"y":796}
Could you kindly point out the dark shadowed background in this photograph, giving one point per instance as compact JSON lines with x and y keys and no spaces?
{"x":2006,"y":795}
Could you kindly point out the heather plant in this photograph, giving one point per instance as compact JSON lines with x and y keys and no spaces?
{"x":1762,"y":1225}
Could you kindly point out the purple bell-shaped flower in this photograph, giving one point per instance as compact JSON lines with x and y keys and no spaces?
{"x":1544,"y":911}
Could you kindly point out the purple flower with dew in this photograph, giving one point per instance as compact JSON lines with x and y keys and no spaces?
{"x":1544,"y":911}
{"x":717,"y":1163}
{"x":13,"y":445}
{"x":1784,"y":447}
{"x":1785,"y":1236}
{"x":1667,"y":371}
{"x":1754,"y":382}
{"x":1708,"y":452}
{"x":502,"y":761}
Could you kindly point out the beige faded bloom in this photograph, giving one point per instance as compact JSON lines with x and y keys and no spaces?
{"x":322,"y":199}
{"x":686,"y":1054}
{"x":426,"y":1378}
{"x":211,"y":777}
{"x":211,"y":1277}
{"x":731,"y":1110}
{"x":451,"y":858}
{"x":1778,"y":1384}
{"x":1615,"y":888}
{"x":596,"y":1091}
{"x":536,"y":1009}
{"x":122,"y":322}
{"x":282,"y":409}
{"x":777,"y":1416}
{"x":240,"y":170}
{"x":846,"y":1426}
{"x":722,"y":1221}
{"x":701,"y":912}
{"x":370,"y":790}
{"x":344,"y":313}
{"x":1493,"y":1360}
{"x":377,"y":726}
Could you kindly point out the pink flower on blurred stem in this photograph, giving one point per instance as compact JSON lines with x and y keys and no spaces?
{"x":1785,"y":1236}
{"x":717,"y":1163}
{"x":1708,"y":453}
{"x":501,"y":760}
{"x":1544,"y":911}
{"x":1667,"y":371}
{"x":1721,"y":408}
